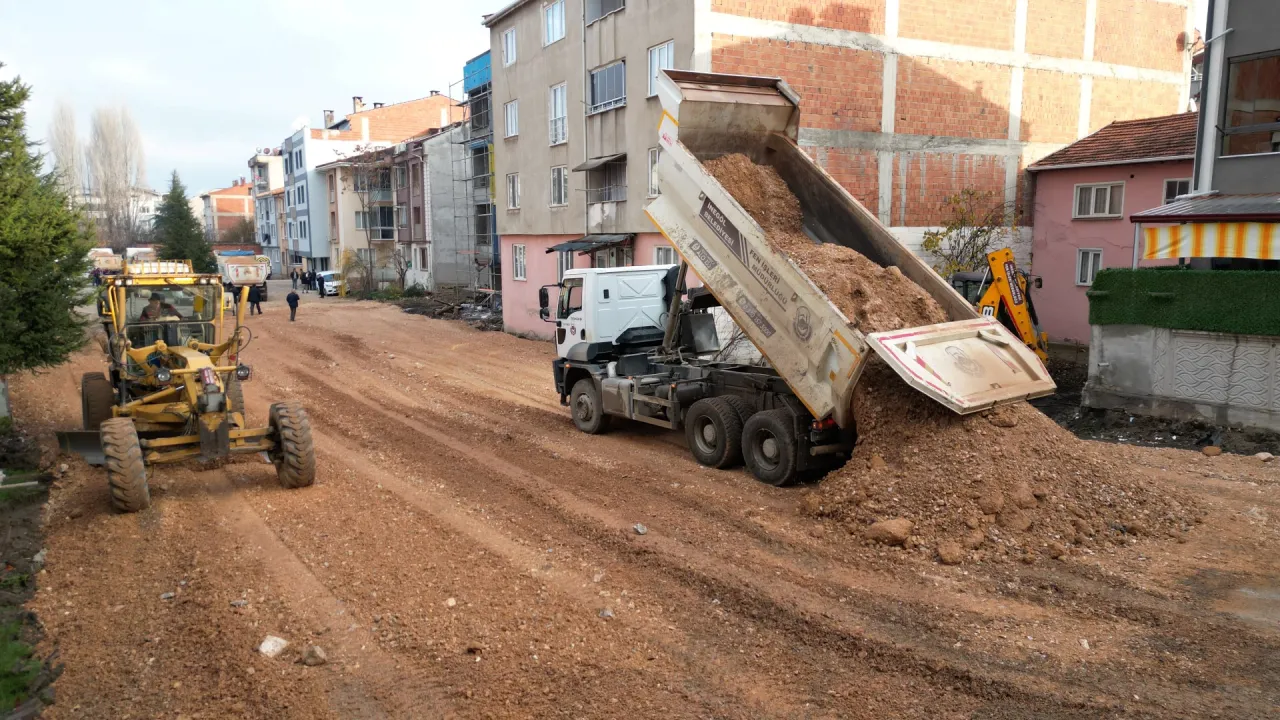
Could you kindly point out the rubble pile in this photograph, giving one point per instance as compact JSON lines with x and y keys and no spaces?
{"x":1002,"y":484}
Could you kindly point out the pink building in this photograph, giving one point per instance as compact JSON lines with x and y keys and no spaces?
{"x":1084,"y":195}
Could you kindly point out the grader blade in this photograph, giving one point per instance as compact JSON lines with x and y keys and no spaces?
{"x":85,"y":443}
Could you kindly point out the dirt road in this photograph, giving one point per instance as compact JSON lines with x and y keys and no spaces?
{"x":467,"y":553}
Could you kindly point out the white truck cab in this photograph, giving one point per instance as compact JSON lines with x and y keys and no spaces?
{"x":602,"y":308}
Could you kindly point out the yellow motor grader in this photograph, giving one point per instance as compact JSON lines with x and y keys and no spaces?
{"x":173,"y":388}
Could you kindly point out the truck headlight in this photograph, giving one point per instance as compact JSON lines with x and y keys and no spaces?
{"x":243,"y":372}
{"x":163,"y":375}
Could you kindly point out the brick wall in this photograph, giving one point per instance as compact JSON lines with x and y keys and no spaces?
{"x":959,"y":99}
{"x":1050,"y":106}
{"x":1121,"y":39}
{"x":1056,"y":27}
{"x":977,"y":23}
{"x":858,"y":15}
{"x":1128,"y":100}
{"x":922,"y":180}
{"x":856,"y":170}
{"x":840,"y":88}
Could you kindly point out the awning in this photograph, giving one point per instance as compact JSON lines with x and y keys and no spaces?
{"x":596,"y":162}
{"x":1215,"y":207}
{"x":1260,"y":241}
{"x":591,"y":243}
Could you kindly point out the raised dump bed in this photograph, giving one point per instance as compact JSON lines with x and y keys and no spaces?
{"x":968,"y":364}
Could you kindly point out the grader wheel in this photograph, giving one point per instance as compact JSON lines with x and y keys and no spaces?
{"x":126,"y":473}
{"x":294,"y":455}
{"x":235,"y":396}
{"x":96,"y":400}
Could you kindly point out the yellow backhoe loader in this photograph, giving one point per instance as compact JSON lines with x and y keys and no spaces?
{"x":172,"y":390}
{"x":1003,"y":292}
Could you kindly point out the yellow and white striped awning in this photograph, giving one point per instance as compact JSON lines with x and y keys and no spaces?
{"x":1260,"y":241}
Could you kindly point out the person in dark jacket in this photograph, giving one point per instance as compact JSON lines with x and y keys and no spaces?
{"x":292,"y":299}
{"x":294,"y":277}
{"x":307,"y":279}
{"x":255,"y":299}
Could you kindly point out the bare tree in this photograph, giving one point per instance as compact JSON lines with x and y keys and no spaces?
{"x":116,"y":167}
{"x":975,"y":223}
{"x":68,"y":153}
{"x":400,"y":262}
{"x":369,"y":179}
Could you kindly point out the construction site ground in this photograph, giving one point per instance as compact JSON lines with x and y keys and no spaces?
{"x":466,"y":552}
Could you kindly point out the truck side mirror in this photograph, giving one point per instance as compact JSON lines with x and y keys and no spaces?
{"x":1039,"y":283}
{"x":544,"y":300}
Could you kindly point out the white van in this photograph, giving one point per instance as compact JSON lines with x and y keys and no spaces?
{"x":330,"y":282}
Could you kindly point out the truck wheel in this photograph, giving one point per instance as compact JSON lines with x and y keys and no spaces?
{"x":714,"y":431}
{"x":235,"y":396}
{"x":294,"y":455}
{"x":126,"y":473}
{"x":769,"y":447}
{"x":96,"y":400}
{"x":737,"y":403}
{"x":588,"y":412}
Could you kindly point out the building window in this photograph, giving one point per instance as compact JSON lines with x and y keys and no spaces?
{"x":608,"y":183}
{"x":512,"y":113}
{"x":417,"y":217}
{"x":1251,"y":122}
{"x":513,"y":191}
{"x":290,"y":230}
{"x":333,"y":222}
{"x":655,"y":154}
{"x":1088,"y":263}
{"x":1099,"y":201}
{"x":559,"y":186}
{"x":484,"y":220}
{"x":362,"y":217}
{"x":564,"y":263}
{"x":608,"y":87}
{"x":661,"y":57}
{"x":297,"y":159}
{"x":552,"y":22}
{"x":333,"y":187}
{"x":402,"y":216}
{"x":509,"y":46}
{"x":557,"y":110}
{"x":517,"y":262}
{"x":402,"y":177}
{"x":288,"y":165}
{"x":302,"y":229}
{"x":288,"y":198}
{"x":424,"y":258}
{"x":301,"y":195}
{"x":415,"y":175}
{"x":664,"y":255}
{"x":1174,"y":188}
{"x":597,"y":9}
{"x":480,"y":170}
{"x":612,"y":257}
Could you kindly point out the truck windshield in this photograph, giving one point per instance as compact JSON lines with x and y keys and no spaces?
{"x":570,"y":297}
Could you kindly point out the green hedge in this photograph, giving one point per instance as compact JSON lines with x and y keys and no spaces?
{"x":1245,"y":302}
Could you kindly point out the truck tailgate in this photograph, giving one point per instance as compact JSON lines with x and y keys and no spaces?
{"x":968,"y":365}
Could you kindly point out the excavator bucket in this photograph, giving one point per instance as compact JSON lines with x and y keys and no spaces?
{"x":85,"y":443}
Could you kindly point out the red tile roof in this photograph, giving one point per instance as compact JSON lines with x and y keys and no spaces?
{"x":1127,"y":141}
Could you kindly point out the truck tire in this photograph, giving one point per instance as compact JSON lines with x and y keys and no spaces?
{"x":126,"y":473}
{"x":737,"y":403}
{"x":235,"y":396}
{"x":588,"y":411}
{"x":714,"y":430}
{"x":769,"y":447}
{"x":294,"y":455}
{"x":96,"y":400}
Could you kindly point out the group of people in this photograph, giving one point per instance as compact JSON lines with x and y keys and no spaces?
{"x":310,"y":280}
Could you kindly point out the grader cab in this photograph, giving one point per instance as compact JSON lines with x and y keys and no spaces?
{"x":172,"y":390}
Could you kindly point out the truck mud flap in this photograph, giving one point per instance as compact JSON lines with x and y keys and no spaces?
{"x":968,"y":365}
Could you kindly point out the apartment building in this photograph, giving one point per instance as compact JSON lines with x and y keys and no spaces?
{"x":266,"y":173}
{"x":225,"y":209}
{"x":379,"y":126}
{"x":903,"y":101}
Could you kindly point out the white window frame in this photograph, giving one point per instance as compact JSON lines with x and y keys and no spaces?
{"x":1093,"y":197}
{"x":1167,"y":198}
{"x":508,"y":47}
{"x":559,"y":179}
{"x":670,"y":253}
{"x":1095,"y":265}
{"x":655,"y":154}
{"x":564,"y":263}
{"x":362,"y":219}
{"x":518,"y":269}
{"x":401,"y":177}
{"x":513,"y":191}
{"x":288,"y":197}
{"x":511,"y":118}
{"x":402,"y":216}
{"x":424,"y":258}
{"x":552,"y":13}
{"x":558,"y":115}
{"x":659,"y":54}
{"x":613,"y":102}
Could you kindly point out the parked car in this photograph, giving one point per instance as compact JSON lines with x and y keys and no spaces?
{"x":330,"y":282}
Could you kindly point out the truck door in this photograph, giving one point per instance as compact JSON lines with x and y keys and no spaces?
{"x":570,"y":328}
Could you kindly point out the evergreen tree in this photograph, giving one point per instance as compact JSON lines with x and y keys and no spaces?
{"x":44,"y":248}
{"x":177,"y":231}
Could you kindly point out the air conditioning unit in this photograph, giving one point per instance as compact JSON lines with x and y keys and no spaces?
{"x":401,"y":147}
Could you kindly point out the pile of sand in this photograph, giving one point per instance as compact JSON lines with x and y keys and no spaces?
{"x":994,"y":485}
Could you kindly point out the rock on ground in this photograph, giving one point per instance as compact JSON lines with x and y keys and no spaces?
{"x":891,"y":532}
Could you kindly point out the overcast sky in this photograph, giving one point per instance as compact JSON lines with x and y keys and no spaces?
{"x":208,"y":82}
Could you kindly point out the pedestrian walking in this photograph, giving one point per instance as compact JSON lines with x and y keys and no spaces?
{"x":306,"y":281}
{"x":294,"y":277}
{"x":255,"y":299}
{"x":292,"y":299}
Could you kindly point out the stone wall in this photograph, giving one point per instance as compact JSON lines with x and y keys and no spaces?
{"x":1221,"y":378}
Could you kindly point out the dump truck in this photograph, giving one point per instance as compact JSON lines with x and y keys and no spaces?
{"x":637,"y":343}
{"x":172,"y":390}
